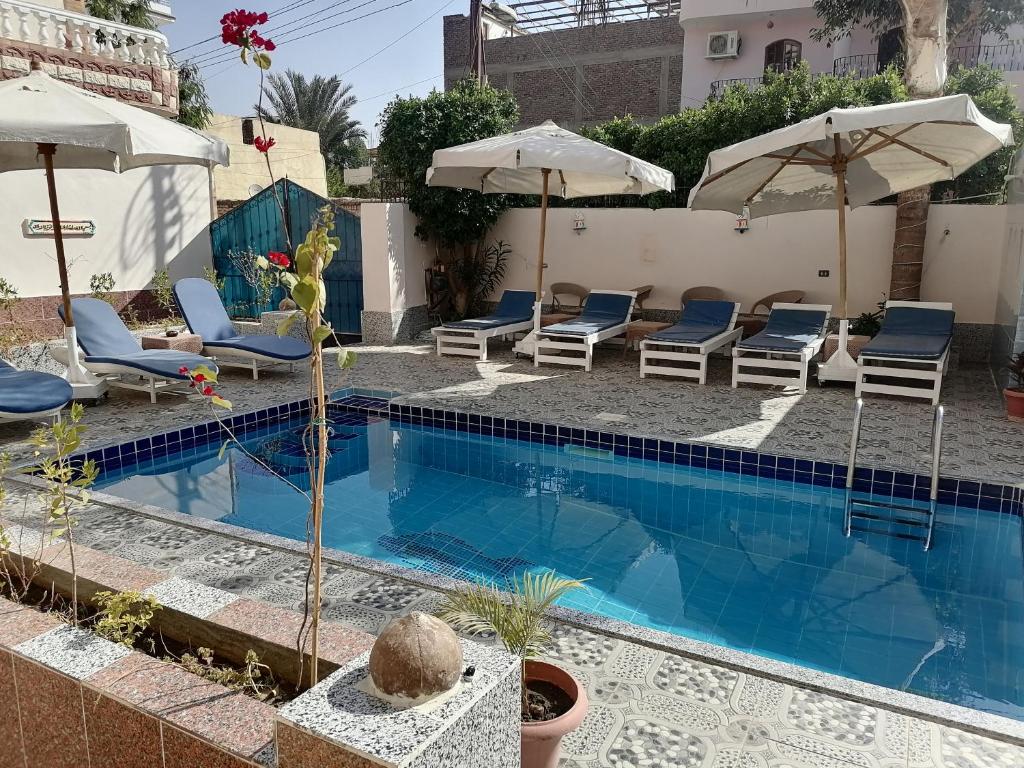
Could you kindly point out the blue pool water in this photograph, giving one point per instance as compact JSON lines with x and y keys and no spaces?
{"x":749,"y":563}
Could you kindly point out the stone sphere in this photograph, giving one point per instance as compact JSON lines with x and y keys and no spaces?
{"x":417,"y":657}
{"x":287,"y":305}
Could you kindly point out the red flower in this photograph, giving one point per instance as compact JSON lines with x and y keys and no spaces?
{"x":207,"y":391}
{"x":237,"y":29}
{"x":199,"y":378}
{"x":280,"y":259}
{"x":183,"y":369}
{"x":263,"y":145}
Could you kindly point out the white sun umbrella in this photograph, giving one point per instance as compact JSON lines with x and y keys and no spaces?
{"x":545,"y":160}
{"x":848,"y":157}
{"x":48,"y":124}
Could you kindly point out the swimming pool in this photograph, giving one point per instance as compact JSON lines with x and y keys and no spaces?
{"x":754,"y":563}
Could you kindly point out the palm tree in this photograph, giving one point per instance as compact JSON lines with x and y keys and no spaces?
{"x":321,"y":104}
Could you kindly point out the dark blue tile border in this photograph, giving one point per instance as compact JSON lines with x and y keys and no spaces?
{"x":881,"y":482}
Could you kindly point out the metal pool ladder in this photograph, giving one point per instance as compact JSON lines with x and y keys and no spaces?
{"x":870,"y":510}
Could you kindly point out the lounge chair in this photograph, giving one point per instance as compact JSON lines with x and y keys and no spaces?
{"x":913,"y":345}
{"x":782,"y":297}
{"x":113,"y":353}
{"x":791,"y":339}
{"x":200,"y":305}
{"x":514,"y":314}
{"x":31,"y":395}
{"x":708,"y":292}
{"x":605,"y":316}
{"x":703,"y":327}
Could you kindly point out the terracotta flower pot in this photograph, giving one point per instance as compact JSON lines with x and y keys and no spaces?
{"x":1014,"y":404}
{"x":541,"y":742}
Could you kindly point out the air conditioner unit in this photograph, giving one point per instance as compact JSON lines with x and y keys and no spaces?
{"x":723,"y":45}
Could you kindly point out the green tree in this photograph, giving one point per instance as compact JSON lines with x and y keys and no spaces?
{"x":455,"y":220}
{"x":682,"y":142}
{"x":965,"y":17}
{"x":321,"y":104}
{"x":134,"y":13}
{"x":193,"y":102}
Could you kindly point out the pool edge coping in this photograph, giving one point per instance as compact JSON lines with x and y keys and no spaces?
{"x":992,"y":726}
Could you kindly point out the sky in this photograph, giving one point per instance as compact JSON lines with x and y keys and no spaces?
{"x":413,"y":65}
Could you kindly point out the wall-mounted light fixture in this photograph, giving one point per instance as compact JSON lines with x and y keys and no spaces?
{"x":578,"y":223}
{"x":743,"y":221}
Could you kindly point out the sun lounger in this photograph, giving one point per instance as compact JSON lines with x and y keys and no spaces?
{"x":605,"y":316}
{"x":781,"y":354}
{"x":913,"y":345}
{"x":113,"y":353}
{"x":200,"y":305}
{"x":31,"y":395}
{"x":514,"y":314}
{"x":703,"y":327}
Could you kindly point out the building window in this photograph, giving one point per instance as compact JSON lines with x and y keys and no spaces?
{"x":782,"y":55}
{"x":248,"y":131}
{"x":890,"y":48}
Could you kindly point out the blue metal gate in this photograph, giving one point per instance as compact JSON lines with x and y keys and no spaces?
{"x":256,"y":225}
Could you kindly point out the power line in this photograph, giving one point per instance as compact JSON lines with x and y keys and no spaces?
{"x":277,"y":12}
{"x":229,"y":56}
{"x":397,"y":39}
{"x":391,"y":91}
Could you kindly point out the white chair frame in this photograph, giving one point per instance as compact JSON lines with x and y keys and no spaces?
{"x":915,"y":370}
{"x":472,"y":342}
{"x":10,"y":417}
{"x":113,"y":373}
{"x":226,"y":357}
{"x":781,"y":362}
{"x":653,"y":350}
{"x":567,"y":342}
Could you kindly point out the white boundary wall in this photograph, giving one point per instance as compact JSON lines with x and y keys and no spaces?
{"x":146,"y":220}
{"x":675,"y":249}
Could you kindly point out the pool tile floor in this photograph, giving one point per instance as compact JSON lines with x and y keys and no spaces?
{"x":649,"y":708}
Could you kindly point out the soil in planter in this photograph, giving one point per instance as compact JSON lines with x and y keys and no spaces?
{"x":546,"y":701}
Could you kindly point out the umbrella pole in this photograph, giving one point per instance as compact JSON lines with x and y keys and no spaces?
{"x":540,"y":250}
{"x":85,"y":385}
{"x":840,"y":366}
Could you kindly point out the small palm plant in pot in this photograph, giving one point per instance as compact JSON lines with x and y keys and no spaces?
{"x":553,"y":702}
{"x":1014,"y":392}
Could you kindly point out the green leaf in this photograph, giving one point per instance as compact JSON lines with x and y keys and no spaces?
{"x":321,"y":334}
{"x":220,"y":402}
{"x":244,"y":56}
{"x":286,"y":325}
{"x":304,"y":258}
{"x":305,"y":295}
{"x":262,"y":263}
{"x":262,"y":60}
{"x":346,"y":358}
{"x":208,"y":373}
{"x":223,"y":449}
{"x":288,"y":280}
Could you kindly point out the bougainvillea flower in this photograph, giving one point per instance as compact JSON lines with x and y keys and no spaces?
{"x":237,"y":29}
{"x":207,"y":391}
{"x":199,"y":378}
{"x":263,"y":145}
{"x":183,"y":369}
{"x":279,"y":259}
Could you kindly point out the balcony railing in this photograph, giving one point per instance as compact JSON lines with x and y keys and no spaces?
{"x":78,"y":33}
{"x":1007,"y":57}
{"x":718,"y":87}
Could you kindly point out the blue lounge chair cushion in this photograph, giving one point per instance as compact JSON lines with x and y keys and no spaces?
{"x":701,"y":320}
{"x":31,"y":391}
{"x":104,"y":338}
{"x":514,"y":307}
{"x":788,"y":330}
{"x":916,"y":333}
{"x":100,"y":330}
{"x":163,"y":363}
{"x":200,"y":305}
{"x":602,"y":311}
{"x":277,"y":347}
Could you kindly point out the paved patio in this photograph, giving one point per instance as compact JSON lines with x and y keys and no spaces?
{"x":649,"y":708}
{"x":979,"y":444}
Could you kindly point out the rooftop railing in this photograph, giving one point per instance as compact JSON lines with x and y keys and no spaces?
{"x":1006,"y":57}
{"x":79,"y":33}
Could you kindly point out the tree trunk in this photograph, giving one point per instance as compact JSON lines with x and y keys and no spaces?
{"x":925,"y":77}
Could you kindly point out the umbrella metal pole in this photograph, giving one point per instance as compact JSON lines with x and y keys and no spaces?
{"x":543,"y":231}
{"x":48,"y":151}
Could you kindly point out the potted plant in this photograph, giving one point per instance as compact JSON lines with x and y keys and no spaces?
{"x":553,"y":702}
{"x":1014,"y":392}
